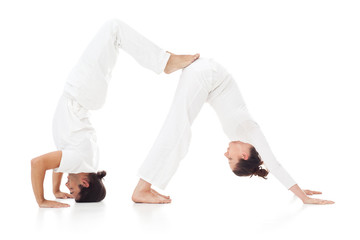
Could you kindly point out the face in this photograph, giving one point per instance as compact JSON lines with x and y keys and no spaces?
{"x":74,"y":180}
{"x":237,"y":150}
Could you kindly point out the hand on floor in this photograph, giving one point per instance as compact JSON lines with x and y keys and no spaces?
{"x":63,"y":195}
{"x":52,"y":204}
{"x":314,"y":200}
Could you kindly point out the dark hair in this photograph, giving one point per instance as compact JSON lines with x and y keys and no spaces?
{"x":96,"y":190}
{"x":251,"y":166}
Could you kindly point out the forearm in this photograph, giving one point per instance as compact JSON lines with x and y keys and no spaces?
{"x":299,"y":192}
{"x":39,"y":165}
{"x":56,"y":179}
{"x":37,"y":180}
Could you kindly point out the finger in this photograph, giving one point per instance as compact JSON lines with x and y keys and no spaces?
{"x":323,"y":202}
{"x":316,"y":192}
{"x":61,"y":205}
{"x":69,"y":195}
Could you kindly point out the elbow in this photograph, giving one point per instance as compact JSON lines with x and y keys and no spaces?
{"x":35,"y":162}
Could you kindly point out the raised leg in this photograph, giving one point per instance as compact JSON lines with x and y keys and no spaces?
{"x":88,"y":80}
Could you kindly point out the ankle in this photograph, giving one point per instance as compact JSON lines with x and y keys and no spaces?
{"x":143,"y":186}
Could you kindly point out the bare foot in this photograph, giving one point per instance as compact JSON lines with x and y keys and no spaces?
{"x":168,"y":197}
{"x":177,"y":62}
{"x":143,"y":193}
{"x":148,"y":197}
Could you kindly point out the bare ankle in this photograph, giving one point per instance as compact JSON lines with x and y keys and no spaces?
{"x":143,"y":185}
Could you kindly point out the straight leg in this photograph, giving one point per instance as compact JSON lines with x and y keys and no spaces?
{"x":173,"y":141}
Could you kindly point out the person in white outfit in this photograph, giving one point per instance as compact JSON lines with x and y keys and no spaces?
{"x":207,"y":81}
{"x":85,"y":90}
{"x":201,"y":81}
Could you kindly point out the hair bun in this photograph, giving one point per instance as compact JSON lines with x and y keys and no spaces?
{"x":101,"y":174}
{"x":261,"y":172}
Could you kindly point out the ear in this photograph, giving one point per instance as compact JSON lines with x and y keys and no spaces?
{"x":245,"y":156}
{"x":85,"y":183}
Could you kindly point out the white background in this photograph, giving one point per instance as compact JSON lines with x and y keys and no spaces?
{"x":296,"y":63}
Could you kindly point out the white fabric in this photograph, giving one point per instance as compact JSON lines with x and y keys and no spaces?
{"x":88,"y":80}
{"x":75,"y":137}
{"x":86,"y":89}
{"x":205,"y":81}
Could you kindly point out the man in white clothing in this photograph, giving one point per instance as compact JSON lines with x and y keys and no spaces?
{"x":85,"y":90}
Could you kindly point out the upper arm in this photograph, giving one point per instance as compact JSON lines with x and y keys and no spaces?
{"x":47,"y":161}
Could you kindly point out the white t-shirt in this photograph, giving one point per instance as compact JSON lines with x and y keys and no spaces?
{"x":75,"y":137}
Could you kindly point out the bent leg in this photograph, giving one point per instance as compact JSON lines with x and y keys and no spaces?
{"x":114,"y":34}
{"x":145,"y":52}
{"x":89,"y":78}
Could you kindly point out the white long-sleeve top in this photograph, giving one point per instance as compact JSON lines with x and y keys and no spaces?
{"x":205,"y":81}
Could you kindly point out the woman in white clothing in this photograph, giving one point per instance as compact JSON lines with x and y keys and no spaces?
{"x":85,"y":90}
{"x":201,"y":81}
{"x":207,"y":81}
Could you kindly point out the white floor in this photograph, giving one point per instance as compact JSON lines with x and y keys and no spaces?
{"x":208,"y":201}
{"x":264,"y":211}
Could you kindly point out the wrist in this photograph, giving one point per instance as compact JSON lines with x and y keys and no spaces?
{"x":305,"y":198}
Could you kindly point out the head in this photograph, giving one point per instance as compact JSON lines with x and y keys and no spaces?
{"x":87,"y":187}
{"x":244,"y":160}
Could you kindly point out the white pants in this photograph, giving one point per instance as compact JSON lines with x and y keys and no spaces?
{"x":205,"y":81}
{"x":86,"y":89}
{"x":88,"y":80}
